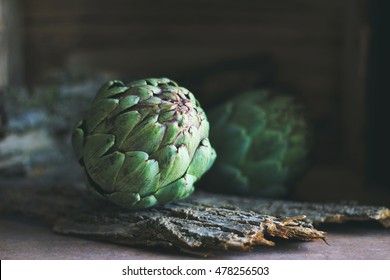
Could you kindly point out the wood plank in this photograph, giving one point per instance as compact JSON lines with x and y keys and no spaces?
{"x":354,"y":85}
{"x":179,"y":6}
{"x":11,"y":55}
{"x":59,"y":31}
{"x":194,"y":31}
{"x":245,"y":17}
{"x":180,"y":58}
{"x":3,"y":67}
{"x":3,"y":45}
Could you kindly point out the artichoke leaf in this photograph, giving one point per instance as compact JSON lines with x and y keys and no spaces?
{"x":189,"y":138}
{"x":78,"y":140}
{"x":145,"y":92}
{"x":104,"y":171}
{"x":101,"y":168}
{"x":102,"y":109}
{"x":265,"y":172}
{"x":97,"y":145}
{"x":203,"y":159}
{"x":124,"y":199}
{"x":249,"y":116}
{"x":232,"y":175}
{"x":178,"y":189}
{"x":170,"y":135}
{"x":269,"y":144}
{"x":126,"y":121}
{"x":138,"y":174}
{"x":109,"y":89}
{"x":146,"y":202}
{"x":146,"y":136}
{"x":125,"y":103}
{"x":173,"y":163}
{"x":234,"y":150}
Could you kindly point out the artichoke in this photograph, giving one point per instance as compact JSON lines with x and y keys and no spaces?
{"x":261,"y":140}
{"x":144,"y":143}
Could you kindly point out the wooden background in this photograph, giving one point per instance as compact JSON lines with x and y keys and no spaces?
{"x":318,"y":48}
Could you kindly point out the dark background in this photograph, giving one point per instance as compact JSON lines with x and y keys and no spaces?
{"x":331,"y":54}
{"x":378,"y":96}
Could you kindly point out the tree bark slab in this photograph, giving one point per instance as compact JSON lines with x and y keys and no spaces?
{"x":200,"y":225}
{"x":316,"y":213}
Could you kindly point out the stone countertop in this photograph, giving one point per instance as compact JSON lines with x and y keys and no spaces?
{"x":22,"y":238}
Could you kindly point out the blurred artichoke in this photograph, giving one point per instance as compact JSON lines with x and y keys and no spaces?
{"x":261,"y":140}
{"x":143,"y":144}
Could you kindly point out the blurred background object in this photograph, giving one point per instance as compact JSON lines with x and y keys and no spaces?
{"x":330,"y":53}
{"x":262,"y":141}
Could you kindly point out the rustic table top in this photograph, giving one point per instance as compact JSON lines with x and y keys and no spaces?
{"x":22,"y":238}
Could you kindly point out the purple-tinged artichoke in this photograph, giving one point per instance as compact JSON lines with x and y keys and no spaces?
{"x":144,"y":143}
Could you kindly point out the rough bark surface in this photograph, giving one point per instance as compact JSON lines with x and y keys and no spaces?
{"x":192,"y":226}
{"x":316,"y":213}
{"x":202,"y":224}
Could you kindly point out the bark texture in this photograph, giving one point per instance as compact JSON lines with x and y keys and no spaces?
{"x":201,"y":224}
{"x":197,"y":226}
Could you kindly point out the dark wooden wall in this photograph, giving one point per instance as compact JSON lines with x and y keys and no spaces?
{"x":143,"y":38}
{"x":147,"y":38}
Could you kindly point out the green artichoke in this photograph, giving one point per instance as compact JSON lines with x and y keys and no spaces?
{"x":261,"y":140}
{"x":143,"y":144}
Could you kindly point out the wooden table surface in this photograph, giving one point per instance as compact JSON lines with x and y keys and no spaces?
{"x":22,"y":238}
